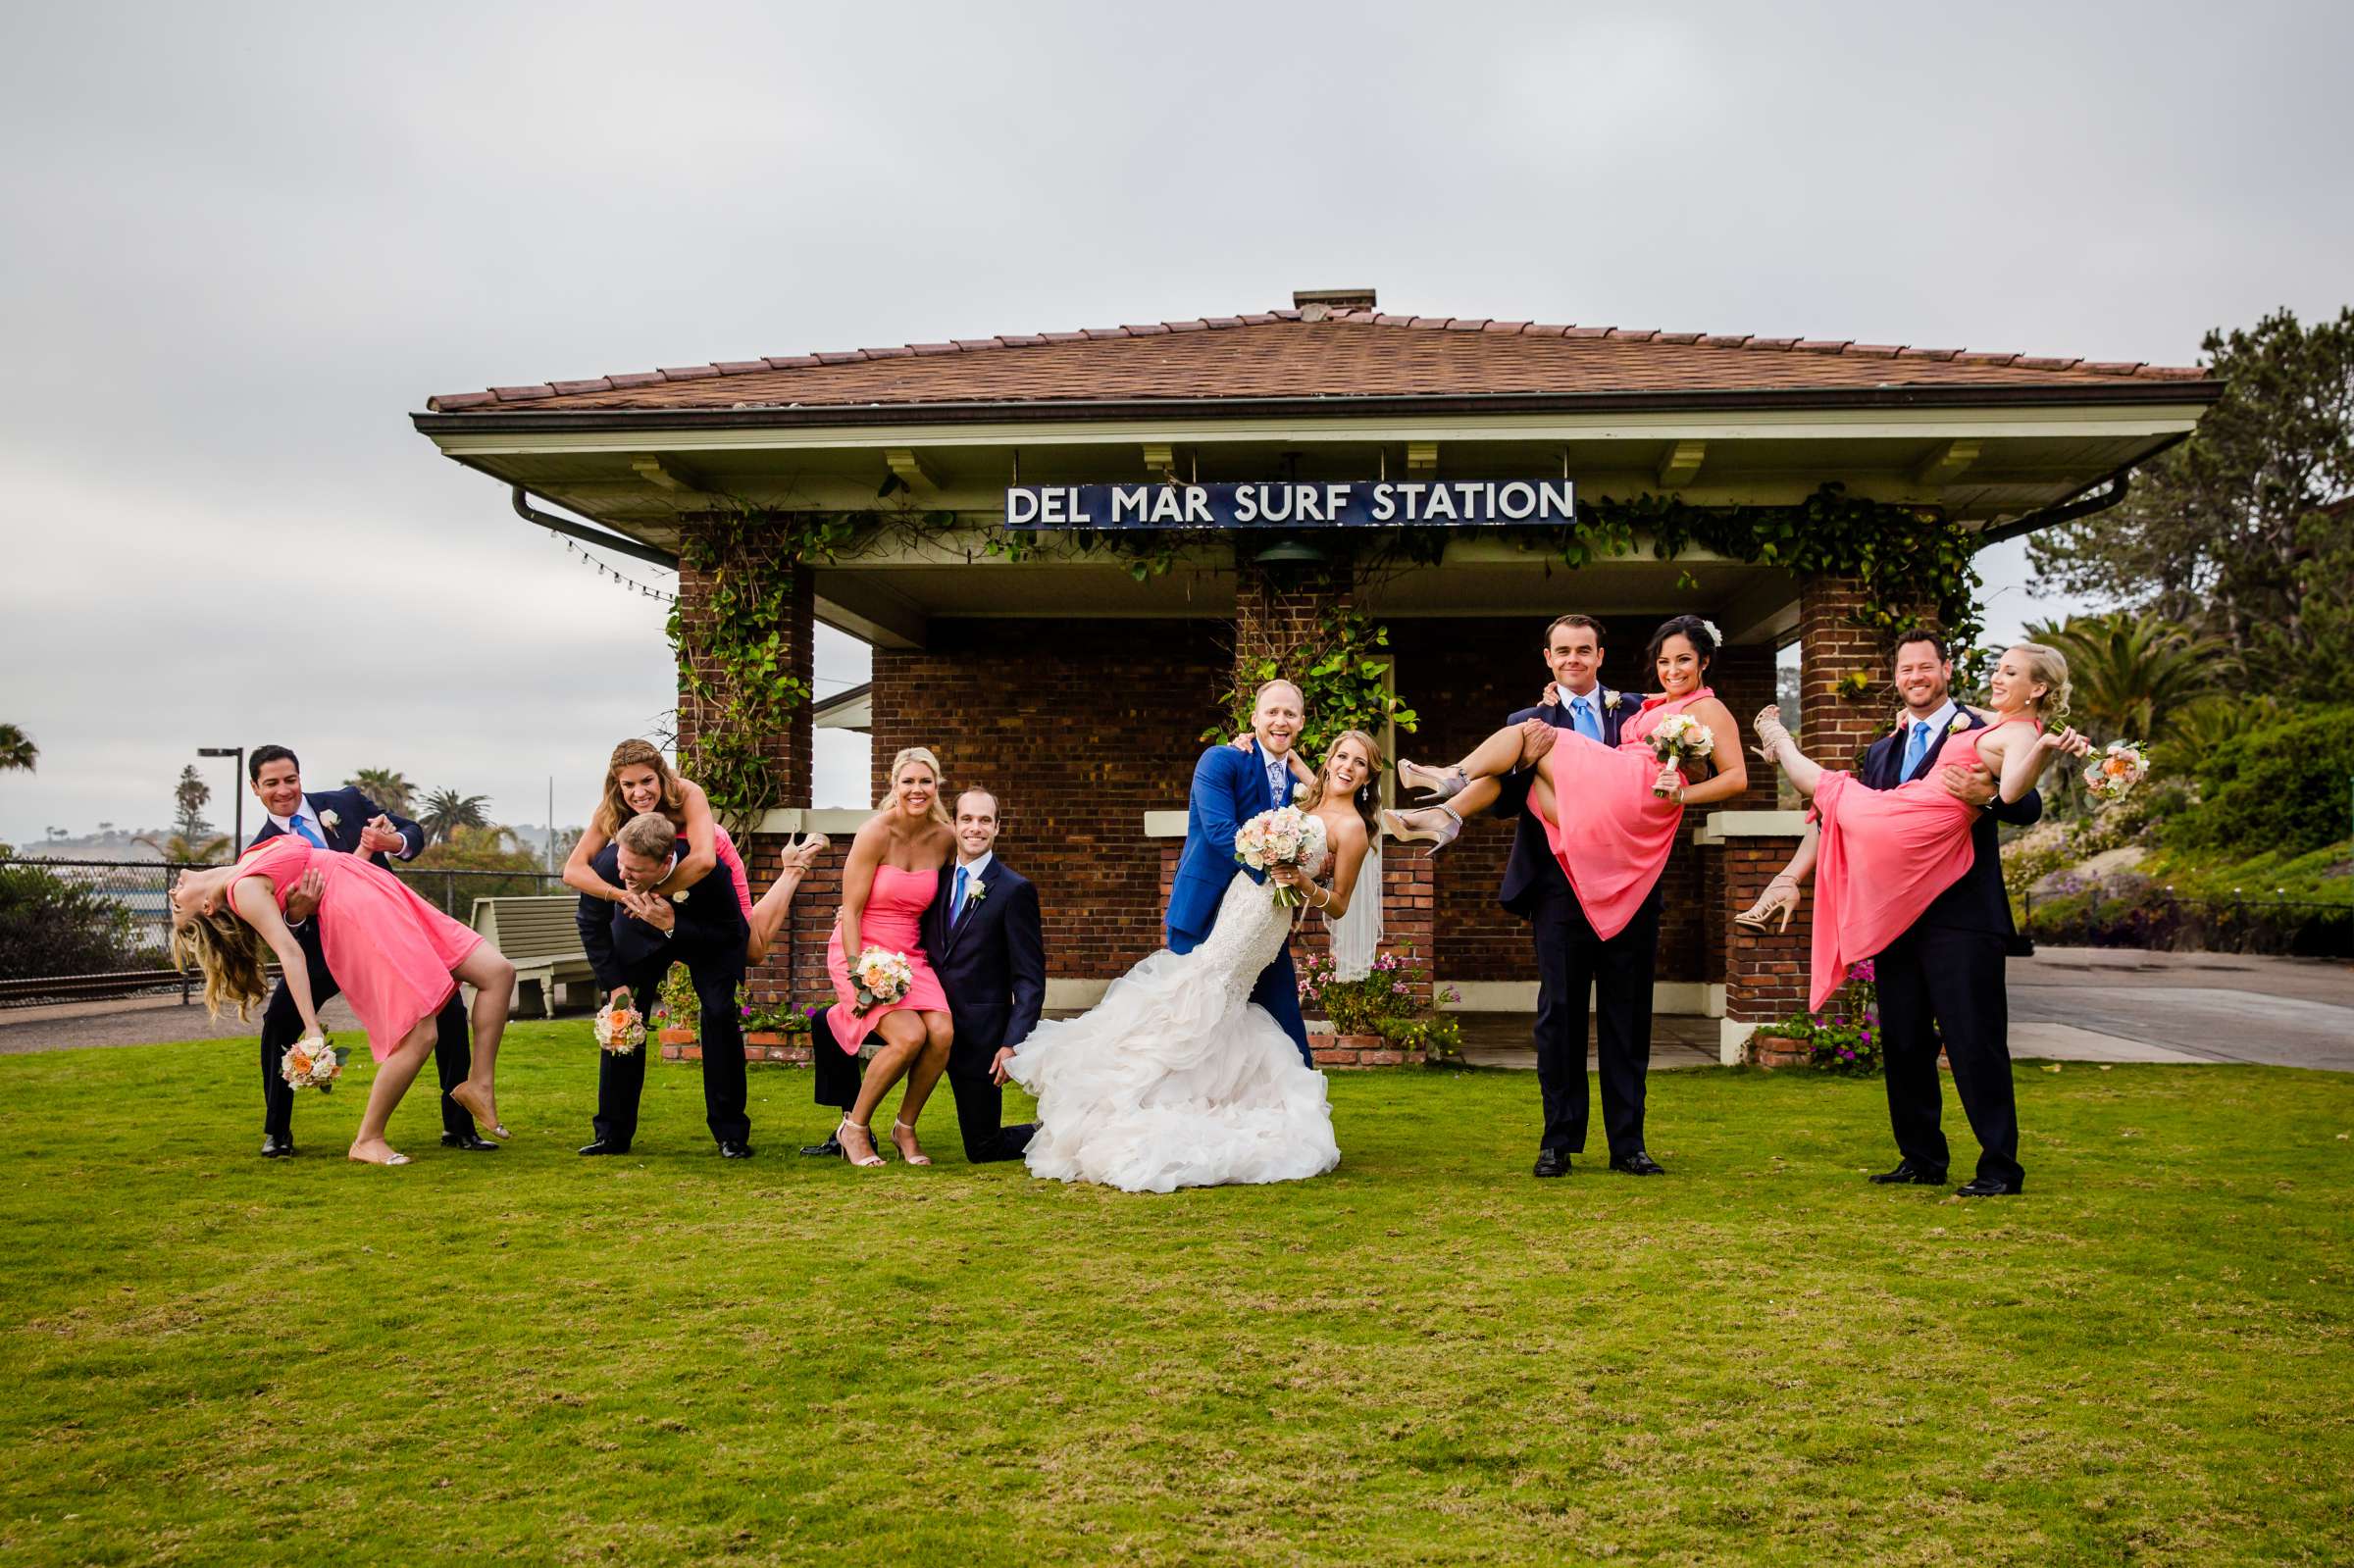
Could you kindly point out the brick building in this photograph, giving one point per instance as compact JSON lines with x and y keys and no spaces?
{"x":1077,"y":688}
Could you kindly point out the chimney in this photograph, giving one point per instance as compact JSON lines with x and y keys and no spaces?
{"x":1319,"y":304}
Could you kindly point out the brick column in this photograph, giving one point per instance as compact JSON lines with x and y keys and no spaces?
{"x":788,"y":752}
{"x":1278,"y":608}
{"x":1764,"y":972}
{"x":1835,"y":642}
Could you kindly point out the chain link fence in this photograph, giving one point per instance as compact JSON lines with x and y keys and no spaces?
{"x":83,"y":930}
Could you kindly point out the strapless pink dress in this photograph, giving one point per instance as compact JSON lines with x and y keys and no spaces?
{"x":1615,"y":835}
{"x":1882,"y":857}
{"x":390,"y":950}
{"x":730,"y":864}
{"x":893,"y":920}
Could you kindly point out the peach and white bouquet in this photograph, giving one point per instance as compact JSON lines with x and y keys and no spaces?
{"x":880,"y":977}
{"x":1679,"y":738}
{"x":1277,"y":838}
{"x":312,"y":1062}
{"x":620,"y":1030}
{"x":2114,"y":773}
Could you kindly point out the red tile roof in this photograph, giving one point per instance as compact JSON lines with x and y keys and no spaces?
{"x":1291,"y":354}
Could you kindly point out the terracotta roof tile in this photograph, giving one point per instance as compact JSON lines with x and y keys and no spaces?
{"x":1355,"y":353}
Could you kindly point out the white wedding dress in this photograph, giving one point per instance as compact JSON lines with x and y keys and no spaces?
{"x":1175,"y":1079}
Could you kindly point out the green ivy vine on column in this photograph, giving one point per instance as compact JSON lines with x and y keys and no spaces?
{"x":1343,"y":675}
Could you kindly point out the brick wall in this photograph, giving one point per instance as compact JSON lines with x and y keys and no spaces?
{"x":1079,"y":728}
{"x":1765,"y":973}
{"x":1277,"y":608}
{"x":1834,"y":727}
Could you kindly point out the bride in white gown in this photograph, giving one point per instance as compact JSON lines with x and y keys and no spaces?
{"x":1176,"y":1079}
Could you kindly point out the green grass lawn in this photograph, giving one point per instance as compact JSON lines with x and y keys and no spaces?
{"x":1428,"y":1356}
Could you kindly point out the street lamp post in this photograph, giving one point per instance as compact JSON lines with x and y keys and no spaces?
{"x":236,"y":787}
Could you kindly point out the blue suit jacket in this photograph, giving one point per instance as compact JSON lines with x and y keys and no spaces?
{"x":1977,"y":901}
{"x":1531,"y":875}
{"x":352,"y":811}
{"x":1230,"y":788}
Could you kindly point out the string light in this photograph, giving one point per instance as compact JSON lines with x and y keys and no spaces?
{"x":604,"y":571}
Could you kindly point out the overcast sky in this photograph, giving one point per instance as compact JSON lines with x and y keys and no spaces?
{"x":240,"y":244}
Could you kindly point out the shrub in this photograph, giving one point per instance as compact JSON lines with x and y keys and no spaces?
{"x":50,"y":927}
{"x":2278,"y":787}
{"x":1844,"y":1038}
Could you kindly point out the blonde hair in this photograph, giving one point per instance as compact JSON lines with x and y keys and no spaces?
{"x":612,"y":811}
{"x":1367,"y":798}
{"x":1266,"y":686}
{"x":2049,"y":666}
{"x":891,"y":780}
{"x":649,"y":834}
{"x":233,"y":959}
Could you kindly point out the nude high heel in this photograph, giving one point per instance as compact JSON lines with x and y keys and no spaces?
{"x":1771,"y":732}
{"x":917,"y":1156}
{"x":870,"y":1157}
{"x":1435,"y":783}
{"x":1435,"y":826}
{"x":1758,"y":914}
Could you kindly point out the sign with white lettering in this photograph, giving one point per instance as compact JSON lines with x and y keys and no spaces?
{"x":1355,"y":504}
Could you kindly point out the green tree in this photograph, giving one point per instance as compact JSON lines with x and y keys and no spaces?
{"x":2228,"y":532}
{"x":17,"y":753}
{"x":2278,"y":788}
{"x":2134,"y":677}
{"x":445,"y":810}
{"x":49,"y":926}
{"x":388,"y":788}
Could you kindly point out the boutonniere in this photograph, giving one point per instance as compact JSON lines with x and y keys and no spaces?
{"x":328,"y":818}
{"x":975,"y":894}
{"x":1609,"y":699}
{"x":680,"y":896}
{"x":1959,"y":724}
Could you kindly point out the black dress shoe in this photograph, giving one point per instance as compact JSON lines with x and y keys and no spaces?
{"x":1908,"y":1173}
{"x":1987,"y":1187}
{"x":275,"y":1147}
{"x":470,"y":1141}
{"x":1637,"y":1164}
{"x":1552,"y":1162}
{"x":604,"y":1145}
{"x":731,"y":1148}
{"x":830,"y":1149}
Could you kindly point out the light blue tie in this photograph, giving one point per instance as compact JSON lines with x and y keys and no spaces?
{"x":1916,"y":748}
{"x":308,"y":832}
{"x":1583,"y":718}
{"x":957,"y":901}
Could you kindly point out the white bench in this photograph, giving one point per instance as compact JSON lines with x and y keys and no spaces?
{"x":541,"y":938}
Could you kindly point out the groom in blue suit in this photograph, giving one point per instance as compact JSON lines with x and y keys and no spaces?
{"x":1231,"y":785}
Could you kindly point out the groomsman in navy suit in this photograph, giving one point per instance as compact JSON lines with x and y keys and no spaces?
{"x":1231,"y":785}
{"x":632,"y":945}
{"x":987,"y":945}
{"x":346,"y":822}
{"x":1572,"y":962}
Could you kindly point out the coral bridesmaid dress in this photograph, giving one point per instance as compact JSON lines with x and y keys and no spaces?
{"x":1614,"y":842}
{"x":730,"y":863}
{"x":892,"y":920}
{"x":390,"y":951}
{"x":1883,"y":856}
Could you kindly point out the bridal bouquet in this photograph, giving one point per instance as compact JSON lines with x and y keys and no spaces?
{"x":620,"y":1030}
{"x":312,"y":1063}
{"x":2112,"y":774}
{"x":1680,"y":739}
{"x":880,"y":978}
{"x":1277,"y":838}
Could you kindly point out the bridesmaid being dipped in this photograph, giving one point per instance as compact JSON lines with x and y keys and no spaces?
{"x":638,"y":779}
{"x":888,"y":882}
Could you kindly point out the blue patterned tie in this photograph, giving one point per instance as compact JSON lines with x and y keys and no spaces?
{"x":308,"y":832}
{"x":1916,"y":748}
{"x":956,"y":900}
{"x":1582,"y":716}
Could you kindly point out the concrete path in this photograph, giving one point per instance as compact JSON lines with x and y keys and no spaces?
{"x":2113,"y":1004}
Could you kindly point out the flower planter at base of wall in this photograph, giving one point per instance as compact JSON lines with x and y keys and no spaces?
{"x":790,"y":1050}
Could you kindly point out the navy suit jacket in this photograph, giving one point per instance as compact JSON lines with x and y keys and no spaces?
{"x":1230,"y":788}
{"x":710,"y":923}
{"x":1976,"y":900}
{"x":992,"y":963}
{"x":352,"y":811}
{"x":1531,"y":875}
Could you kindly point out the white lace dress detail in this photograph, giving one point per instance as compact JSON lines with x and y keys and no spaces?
{"x":1176,"y":1079}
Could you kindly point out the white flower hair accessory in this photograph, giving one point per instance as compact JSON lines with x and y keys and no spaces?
{"x":1709,"y":627}
{"x":328,"y":818}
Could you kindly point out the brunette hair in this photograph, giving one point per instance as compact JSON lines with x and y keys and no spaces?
{"x":1368,"y":799}
{"x":231,"y":954}
{"x":1693,"y":630}
{"x":613,"y":810}
{"x":891,"y":782}
{"x":1918,"y":634}
{"x":1586,"y":622}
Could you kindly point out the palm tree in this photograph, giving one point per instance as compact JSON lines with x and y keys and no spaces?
{"x":444,"y":811}
{"x":17,"y":753}
{"x":2136,"y":677}
{"x":179,"y":850}
{"x":388,"y":788}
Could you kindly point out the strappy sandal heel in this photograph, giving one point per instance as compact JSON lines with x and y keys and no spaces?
{"x":872,"y":1157}
{"x":1435,"y":826}
{"x":1435,"y":783}
{"x":918,"y":1157}
{"x":1757,"y":915}
{"x":1771,"y":732}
